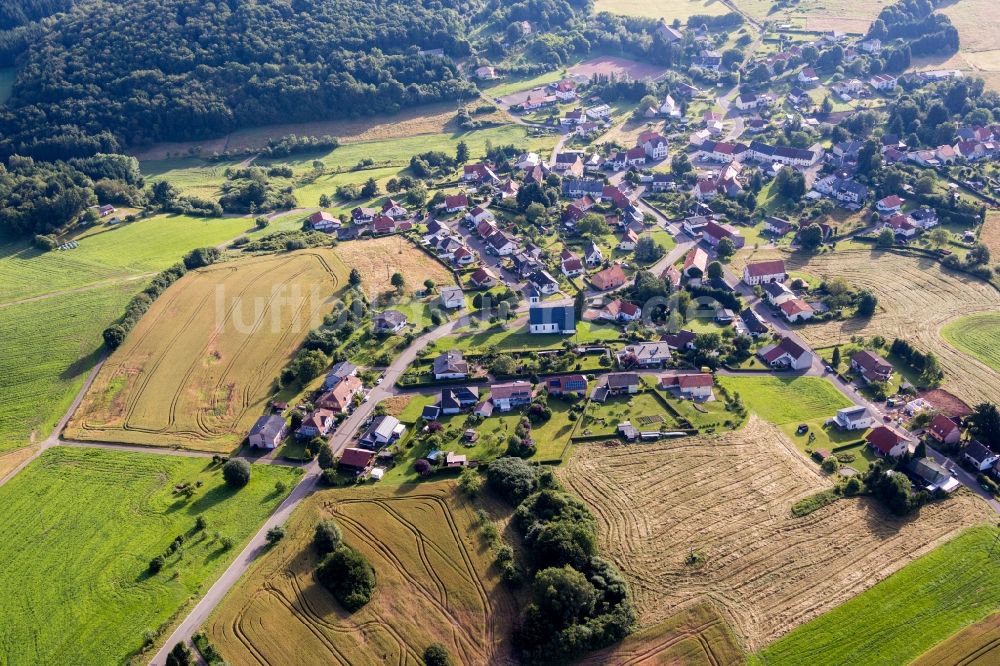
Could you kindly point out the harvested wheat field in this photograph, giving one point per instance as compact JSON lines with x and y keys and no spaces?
{"x":709,"y":518}
{"x":976,"y":645}
{"x":196,"y":370}
{"x":378,"y":258}
{"x":434,"y":584}
{"x":695,"y":636}
{"x":990,"y":233}
{"x":916,"y":298}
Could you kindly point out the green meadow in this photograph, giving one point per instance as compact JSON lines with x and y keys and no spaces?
{"x":926,"y":601}
{"x":80,"y":528}
{"x":978,"y":335}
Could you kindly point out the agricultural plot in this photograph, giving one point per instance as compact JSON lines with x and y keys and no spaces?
{"x":976,"y":645}
{"x":695,"y":636}
{"x":989,"y":235}
{"x":907,"y":613}
{"x":642,"y":410}
{"x":916,"y":297}
{"x":49,"y":347}
{"x":80,"y":527}
{"x":977,"y":335}
{"x":435,"y":584}
{"x":818,"y":15}
{"x":709,"y":518}
{"x":977,"y":23}
{"x":197,"y":369}
{"x":665,"y":9}
{"x":377,"y":259}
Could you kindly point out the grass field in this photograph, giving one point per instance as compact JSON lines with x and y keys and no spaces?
{"x":818,"y":15}
{"x":904,"y":615}
{"x":667,"y":9}
{"x":989,"y":235}
{"x":782,"y":400}
{"x":434,"y":577}
{"x":695,"y":636}
{"x":728,"y":500}
{"x":643,"y":410}
{"x":977,"y":335}
{"x":198,"y":368}
{"x":976,"y":645}
{"x":518,"y":338}
{"x":916,"y":297}
{"x":80,"y":528}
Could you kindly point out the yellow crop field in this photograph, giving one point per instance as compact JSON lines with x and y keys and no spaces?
{"x":197,"y":369}
{"x":378,"y":258}
{"x":709,"y":518}
{"x":434,"y":579}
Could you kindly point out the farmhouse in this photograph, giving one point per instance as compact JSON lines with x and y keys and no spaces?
{"x":566,"y":385}
{"x":644,"y":355}
{"x":748,"y":101}
{"x":786,"y":354}
{"x":764,"y":271}
{"x":267,"y":432}
{"x":872,"y":367}
{"x":507,"y":396}
{"x":390,"y":321}
{"x":552,"y":319}
{"x":609,"y":278}
{"x":887,"y":442}
{"x":944,"y":430}
{"x":383,"y":430}
{"x":356,"y":461}
{"x":339,"y":397}
{"x":854,"y":418}
{"x":450,"y":365}
{"x":694,"y":385}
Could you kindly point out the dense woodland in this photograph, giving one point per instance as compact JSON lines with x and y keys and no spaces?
{"x":199,"y":69}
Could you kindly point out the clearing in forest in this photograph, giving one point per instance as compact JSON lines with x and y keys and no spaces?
{"x":709,"y":518}
{"x":435,"y":583}
{"x":197,"y":369}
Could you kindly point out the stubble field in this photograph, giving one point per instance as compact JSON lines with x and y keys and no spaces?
{"x":197,"y":369}
{"x":976,"y":645}
{"x":435,"y":583}
{"x":378,"y":258}
{"x":79,"y":529}
{"x":726,"y":500}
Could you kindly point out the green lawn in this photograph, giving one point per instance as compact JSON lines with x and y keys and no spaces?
{"x":49,"y":346}
{"x":517,"y":338}
{"x":80,"y":528}
{"x":508,"y":86}
{"x":978,"y":335}
{"x":903,"y":616}
{"x":643,"y":410}
{"x":787,"y":400}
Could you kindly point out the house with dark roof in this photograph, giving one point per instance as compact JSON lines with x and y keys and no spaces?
{"x":457,"y":399}
{"x":871,"y":367}
{"x":855,"y":417}
{"x":450,"y":365}
{"x":682,"y":339}
{"x":979,"y":455}
{"x":566,"y":385}
{"x":935,"y":475}
{"x":338,"y":372}
{"x":267,"y":432}
{"x":390,"y":321}
{"x":549,"y":319}
{"x":751,"y":324}
{"x":786,"y":354}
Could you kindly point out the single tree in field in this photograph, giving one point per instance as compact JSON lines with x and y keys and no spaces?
{"x":236,"y":472}
{"x":398,"y":282}
{"x":436,"y":655}
{"x":429,"y":285}
{"x":354,"y":279}
{"x":462,"y":152}
{"x":327,"y":537}
{"x":370,"y":189}
{"x":275,"y":534}
{"x":324,"y":201}
{"x":867,"y":303}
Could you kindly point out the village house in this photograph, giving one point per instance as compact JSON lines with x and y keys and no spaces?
{"x":673,"y":275}
{"x":267,"y":432}
{"x":808,"y":76}
{"x":456,"y":202}
{"x":316,"y":424}
{"x":888,"y":205}
{"x":339,"y":398}
{"x":670,"y":108}
{"x":871,"y":367}
{"x":458,"y":399}
{"x":452,"y":298}
{"x":714,"y":232}
{"x":356,"y":461}
{"x":570,"y":264}
{"x":695,"y":264}
{"x":856,"y":417}
{"x":450,"y":365}
{"x":777,"y":226}
{"x":483,"y":278}
{"x":692,"y":385}
{"x":682,"y":339}
{"x":944,"y":430}
{"x":885,"y":441}
{"x":566,"y":385}
{"x":761,"y":272}
{"x":796,"y":310}
{"x":883,"y":82}
{"x":599,"y":112}
{"x":750,"y":323}
{"x":392,"y":209}
{"x":478,"y":173}
{"x":619,"y":310}
{"x":544,"y":282}
{"x":592,"y":254}
{"x":486,"y":73}
{"x":362,"y":215}
{"x":390,"y":321}
{"x":323,"y":221}
{"x":979,"y":455}
{"x":644,"y":355}
{"x":500,"y":244}
{"x":900,"y":225}
{"x":777,"y":293}
{"x":338,"y":372}
{"x":509,"y":395}
{"x":628,"y":240}
{"x":786,"y":354}
{"x":552,"y":319}
{"x":382,"y":431}
{"x":654,"y":145}
{"x":934,"y":475}
{"x":747,"y":101}
{"x":616,"y":383}
{"x":609,"y":278}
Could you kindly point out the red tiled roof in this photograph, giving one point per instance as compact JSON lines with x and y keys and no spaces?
{"x":883,"y":439}
{"x":762,"y":268}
